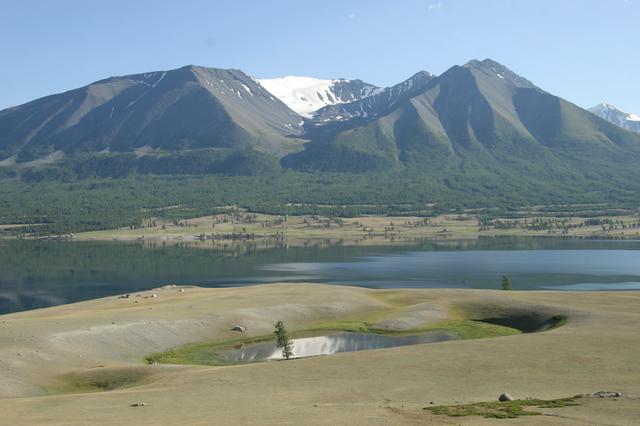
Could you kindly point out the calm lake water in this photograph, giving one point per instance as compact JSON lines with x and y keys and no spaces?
{"x":331,"y":344}
{"x":37,"y":274}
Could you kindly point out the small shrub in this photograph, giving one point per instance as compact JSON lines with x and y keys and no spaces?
{"x":282,"y":340}
{"x":506,"y":283}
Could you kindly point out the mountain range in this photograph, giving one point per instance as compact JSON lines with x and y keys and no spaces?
{"x":480,"y":119}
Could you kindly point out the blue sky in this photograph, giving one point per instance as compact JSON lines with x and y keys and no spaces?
{"x":583,"y":50}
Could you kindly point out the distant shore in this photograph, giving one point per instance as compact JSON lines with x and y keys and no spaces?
{"x":273,"y":230}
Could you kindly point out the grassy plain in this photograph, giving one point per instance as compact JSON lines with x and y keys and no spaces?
{"x":269,"y":230}
{"x":85,"y":363}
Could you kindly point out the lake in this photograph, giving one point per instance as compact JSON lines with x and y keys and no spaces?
{"x":36,"y":274}
{"x":330,"y":344}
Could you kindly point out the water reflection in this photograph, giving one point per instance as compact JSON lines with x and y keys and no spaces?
{"x":331,"y":344}
{"x":596,"y":286}
{"x":36,"y":274}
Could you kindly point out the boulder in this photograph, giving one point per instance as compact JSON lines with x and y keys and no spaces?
{"x":240,"y":328}
{"x":505,"y":397}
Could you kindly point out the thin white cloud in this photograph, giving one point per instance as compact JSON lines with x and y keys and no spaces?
{"x":433,"y":6}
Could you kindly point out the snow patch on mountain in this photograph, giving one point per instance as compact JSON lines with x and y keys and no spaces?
{"x":617,"y":116}
{"x":376,"y":103}
{"x":305,"y":95}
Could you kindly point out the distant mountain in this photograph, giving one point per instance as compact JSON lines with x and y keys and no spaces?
{"x":477,"y":116}
{"x":617,"y":116}
{"x":478,"y":127}
{"x":305,"y":95}
{"x":184,"y":109}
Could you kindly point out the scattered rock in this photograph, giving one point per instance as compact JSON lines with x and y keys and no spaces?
{"x":139,"y":404}
{"x":505,"y":397}
{"x":240,"y":328}
{"x":606,"y":394}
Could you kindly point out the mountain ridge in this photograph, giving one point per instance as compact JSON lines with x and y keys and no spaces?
{"x":477,"y":118}
{"x":480,"y":109}
{"x":191,"y":107}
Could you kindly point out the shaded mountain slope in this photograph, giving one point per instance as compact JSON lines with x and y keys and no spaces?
{"x":481,"y":113}
{"x":188,"y":108}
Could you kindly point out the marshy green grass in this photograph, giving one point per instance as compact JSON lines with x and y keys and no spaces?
{"x":559,"y":321}
{"x":503,"y":410}
{"x":205,"y":353}
{"x":465,"y":329}
{"x":457,"y":325}
{"x":104,"y":379}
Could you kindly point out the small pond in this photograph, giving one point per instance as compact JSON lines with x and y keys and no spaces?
{"x":331,"y":344}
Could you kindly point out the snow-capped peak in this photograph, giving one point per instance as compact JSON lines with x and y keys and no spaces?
{"x":305,"y":95}
{"x":604,"y":108}
{"x":617,"y":116}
